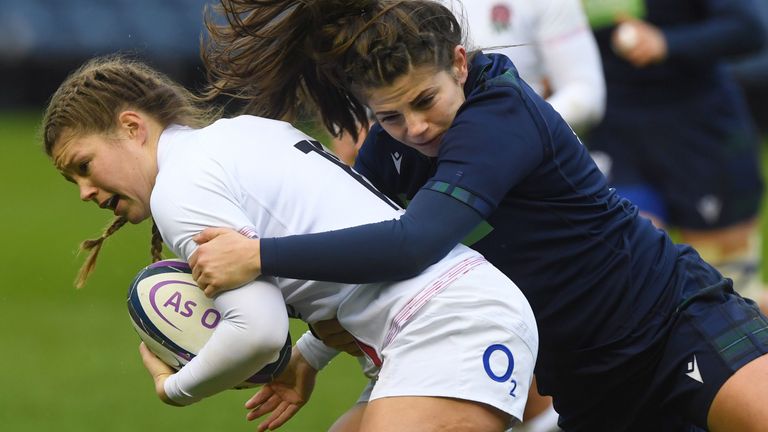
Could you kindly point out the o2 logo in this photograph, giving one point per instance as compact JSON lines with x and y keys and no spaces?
{"x":504,"y":366}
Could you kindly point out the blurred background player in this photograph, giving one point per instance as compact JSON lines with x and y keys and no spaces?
{"x":752,"y":73}
{"x":555,"y":52}
{"x":552,"y":46}
{"x":677,"y":138}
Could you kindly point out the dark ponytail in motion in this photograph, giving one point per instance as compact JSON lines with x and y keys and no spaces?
{"x":283,"y":56}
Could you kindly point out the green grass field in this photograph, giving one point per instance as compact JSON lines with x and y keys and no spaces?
{"x":70,"y":357}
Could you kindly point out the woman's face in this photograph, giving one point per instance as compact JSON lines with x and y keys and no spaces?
{"x":117,"y":174}
{"x":419,"y":107}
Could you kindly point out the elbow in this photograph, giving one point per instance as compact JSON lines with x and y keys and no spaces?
{"x":275,"y":343}
{"x":264,"y":346}
{"x":583,"y":105}
{"x":415,"y":260}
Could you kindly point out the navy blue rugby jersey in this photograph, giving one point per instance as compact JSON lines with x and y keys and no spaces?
{"x":593,"y":271}
{"x":692,"y":81}
{"x":589,"y":266}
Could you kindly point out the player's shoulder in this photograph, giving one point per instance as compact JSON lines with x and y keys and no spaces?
{"x":491,"y":74}
{"x":253,"y":129}
{"x":232,"y":141}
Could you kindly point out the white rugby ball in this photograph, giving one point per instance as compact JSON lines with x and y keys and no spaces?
{"x":175,"y":319}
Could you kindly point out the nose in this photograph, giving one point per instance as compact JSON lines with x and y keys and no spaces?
{"x":87,"y":191}
{"x":416,"y":124}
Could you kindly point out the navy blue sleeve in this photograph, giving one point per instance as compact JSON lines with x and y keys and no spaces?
{"x":432,"y":226}
{"x":733,"y":28}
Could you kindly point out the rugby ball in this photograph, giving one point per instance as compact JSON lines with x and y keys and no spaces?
{"x":174,"y":318}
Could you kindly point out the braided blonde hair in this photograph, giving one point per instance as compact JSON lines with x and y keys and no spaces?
{"x":90,"y":100}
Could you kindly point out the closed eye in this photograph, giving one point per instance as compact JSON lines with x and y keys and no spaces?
{"x":82,"y":168}
{"x":389,"y":118}
{"x":425,"y":102}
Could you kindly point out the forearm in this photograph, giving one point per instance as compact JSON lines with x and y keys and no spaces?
{"x":578,"y":85}
{"x":249,"y":336}
{"x":384,"y":251}
{"x":733,"y":29}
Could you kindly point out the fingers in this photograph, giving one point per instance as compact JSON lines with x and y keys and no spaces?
{"x":193,"y":263}
{"x":260,"y":397}
{"x":352,"y":349}
{"x":203,"y":281}
{"x":209,"y":234}
{"x":279,"y":417}
{"x":270,"y":405}
{"x":152,"y":363}
{"x":327,"y":327}
{"x":333,"y":334}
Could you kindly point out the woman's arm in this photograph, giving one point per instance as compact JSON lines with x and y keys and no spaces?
{"x":572,"y":61}
{"x":384,"y":251}
{"x":249,"y":336}
{"x":733,"y":28}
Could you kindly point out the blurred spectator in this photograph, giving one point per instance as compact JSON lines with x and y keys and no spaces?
{"x":551,"y":45}
{"x":752,"y":74}
{"x":42,"y":40}
{"x":677,"y":137}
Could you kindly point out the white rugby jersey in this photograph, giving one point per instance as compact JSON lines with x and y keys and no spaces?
{"x":267,"y":179}
{"x":556,"y":47}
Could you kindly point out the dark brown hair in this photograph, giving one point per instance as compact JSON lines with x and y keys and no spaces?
{"x":282,"y":55}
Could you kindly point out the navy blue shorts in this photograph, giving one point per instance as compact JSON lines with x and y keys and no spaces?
{"x":686,"y":170}
{"x":670,"y":385}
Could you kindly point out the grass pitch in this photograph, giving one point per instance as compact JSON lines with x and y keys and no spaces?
{"x":70,"y":358}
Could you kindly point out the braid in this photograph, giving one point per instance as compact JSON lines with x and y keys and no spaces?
{"x":94,"y":246}
{"x":157,"y":244}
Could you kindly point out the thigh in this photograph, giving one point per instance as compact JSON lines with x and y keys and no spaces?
{"x":351,"y":420}
{"x":740,"y":403}
{"x":717,"y":334}
{"x":431,"y":414}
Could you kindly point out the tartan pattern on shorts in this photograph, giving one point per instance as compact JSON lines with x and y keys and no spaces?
{"x":741,"y":342}
{"x":736,"y":329}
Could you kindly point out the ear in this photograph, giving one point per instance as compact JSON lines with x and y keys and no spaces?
{"x":133,"y":125}
{"x":460,"y":65}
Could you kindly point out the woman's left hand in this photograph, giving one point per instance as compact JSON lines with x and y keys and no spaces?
{"x":224,"y":260}
{"x":159,"y":372}
{"x":285,"y":395}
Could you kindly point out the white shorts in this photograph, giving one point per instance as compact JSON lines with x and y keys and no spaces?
{"x":476,"y":340}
